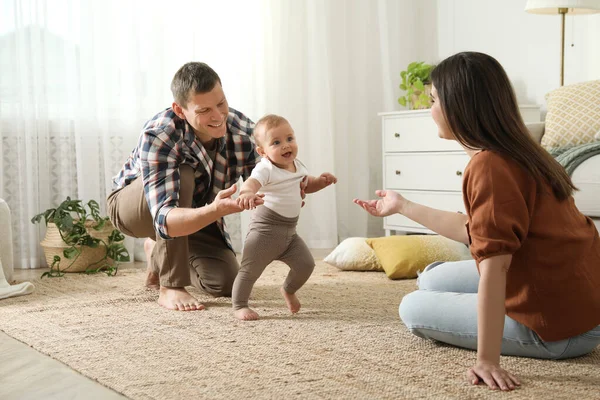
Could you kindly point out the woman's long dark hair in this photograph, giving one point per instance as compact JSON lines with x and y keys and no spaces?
{"x":480,"y":107}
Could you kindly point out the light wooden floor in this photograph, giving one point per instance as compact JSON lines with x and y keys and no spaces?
{"x":28,"y":374}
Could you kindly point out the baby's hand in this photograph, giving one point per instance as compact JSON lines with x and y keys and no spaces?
{"x":327,"y":179}
{"x":249,"y":201}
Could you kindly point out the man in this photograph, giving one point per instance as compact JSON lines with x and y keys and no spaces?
{"x":176,"y":187}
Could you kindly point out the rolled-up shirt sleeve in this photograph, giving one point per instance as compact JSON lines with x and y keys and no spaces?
{"x":498,"y":214}
{"x":160,"y":160}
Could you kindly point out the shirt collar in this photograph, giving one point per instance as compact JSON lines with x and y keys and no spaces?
{"x":190,"y":137}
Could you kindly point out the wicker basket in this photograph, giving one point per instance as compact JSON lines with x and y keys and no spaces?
{"x":53,"y":245}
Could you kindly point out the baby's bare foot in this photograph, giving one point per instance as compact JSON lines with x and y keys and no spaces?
{"x":292,"y":301}
{"x":178,"y":299}
{"x":152,"y":281}
{"x":246,"y":314}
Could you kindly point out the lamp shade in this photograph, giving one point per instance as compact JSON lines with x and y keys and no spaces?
{"x":552,"y":6}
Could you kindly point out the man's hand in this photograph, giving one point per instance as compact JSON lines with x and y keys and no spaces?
{"x":224,"y":205}
{"x":249,"y":201}
{"x":390,"y":203}
{"x":492,"y":375}
{"x":303,"y":185}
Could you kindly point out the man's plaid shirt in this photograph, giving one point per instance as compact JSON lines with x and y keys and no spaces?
{"x":167,"y":142}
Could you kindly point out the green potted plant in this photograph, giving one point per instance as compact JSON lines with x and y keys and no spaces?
{"x":88,"y":241}
{"x":416,"y":83}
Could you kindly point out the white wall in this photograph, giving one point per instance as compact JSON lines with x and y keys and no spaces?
{"x":412,"y":37}
{"x":527,"y":45}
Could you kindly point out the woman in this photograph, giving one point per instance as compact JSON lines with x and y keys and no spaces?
{"x":533,"y":288}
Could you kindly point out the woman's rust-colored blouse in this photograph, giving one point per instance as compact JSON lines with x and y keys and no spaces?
{"x":553,"y":283}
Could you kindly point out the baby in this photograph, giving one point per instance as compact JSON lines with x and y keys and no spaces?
{"x":272,"y":232}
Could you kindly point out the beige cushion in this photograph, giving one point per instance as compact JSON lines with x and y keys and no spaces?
{"x":573,"y":115}
{"x":354,"y":254}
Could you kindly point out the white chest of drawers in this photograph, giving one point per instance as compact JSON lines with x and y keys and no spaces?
{"x":423,"y":167}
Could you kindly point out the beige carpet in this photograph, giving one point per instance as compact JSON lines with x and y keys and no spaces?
{"x":347,"y":342}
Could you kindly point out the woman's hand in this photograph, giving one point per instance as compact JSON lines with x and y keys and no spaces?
{"x":492,"y":375}
{"x":390,"y":203}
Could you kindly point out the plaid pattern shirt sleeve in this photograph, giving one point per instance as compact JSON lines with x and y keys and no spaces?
{"x":168,"y":142}
{"x":160,"y":157}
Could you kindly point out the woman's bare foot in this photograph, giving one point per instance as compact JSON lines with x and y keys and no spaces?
{"x":178,"y":299}
{"x":246,"y":314}
{"x":292,"y":301}
{"x":152,"y":281}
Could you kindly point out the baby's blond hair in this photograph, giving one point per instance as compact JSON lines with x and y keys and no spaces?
{"x":267,"y":122}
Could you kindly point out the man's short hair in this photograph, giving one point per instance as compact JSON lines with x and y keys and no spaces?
{"x":267,"y":122}
{"x":193,"y":76}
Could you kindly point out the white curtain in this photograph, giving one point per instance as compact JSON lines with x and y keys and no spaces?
{"x":79,"y":78}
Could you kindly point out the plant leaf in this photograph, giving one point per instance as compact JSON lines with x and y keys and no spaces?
{"x":118,"y":252}
{"x":116,"y":236}
{"x":71,"y":253}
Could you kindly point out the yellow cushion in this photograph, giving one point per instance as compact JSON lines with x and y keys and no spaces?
{"x":573,"y":115}
{"x":403,"y":256}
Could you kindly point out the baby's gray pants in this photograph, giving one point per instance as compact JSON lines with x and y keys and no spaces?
{"x":271,"y":237}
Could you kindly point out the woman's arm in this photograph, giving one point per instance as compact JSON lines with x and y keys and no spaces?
{"x":490,"y":325}
{"x":446,"y":223}
{"x":490,"y":307}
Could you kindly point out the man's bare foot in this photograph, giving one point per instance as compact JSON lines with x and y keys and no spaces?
{"x":152,"y":281}
{"x":246,"y":314}
{"x":292,"y":301}
{"x":178,"y":299}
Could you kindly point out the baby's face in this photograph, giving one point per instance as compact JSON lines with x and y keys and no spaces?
{"x":278,"y":144}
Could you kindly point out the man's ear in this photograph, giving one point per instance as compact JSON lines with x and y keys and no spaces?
{"x":178,"y":110}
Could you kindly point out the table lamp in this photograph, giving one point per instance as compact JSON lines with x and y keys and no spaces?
{"x":563,"y":7}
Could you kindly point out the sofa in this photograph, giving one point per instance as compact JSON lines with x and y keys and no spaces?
{"x":586,"y":178}
{"x":572,"y":123}
{"x":6,"y":244}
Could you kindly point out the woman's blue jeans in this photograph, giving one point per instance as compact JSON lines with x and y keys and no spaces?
{"x":445,"y":309}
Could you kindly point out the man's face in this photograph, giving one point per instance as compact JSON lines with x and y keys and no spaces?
{"x":206,"y":113}
{"x":279,"y":145}
{"x":438,"y":117}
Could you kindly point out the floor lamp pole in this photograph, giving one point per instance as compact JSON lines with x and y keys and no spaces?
{"x":563,"y":12}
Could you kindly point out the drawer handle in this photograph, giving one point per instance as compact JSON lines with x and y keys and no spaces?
{"x":397,"y":172}
{"x":396,"y":134}
{"x":459,"y":173}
